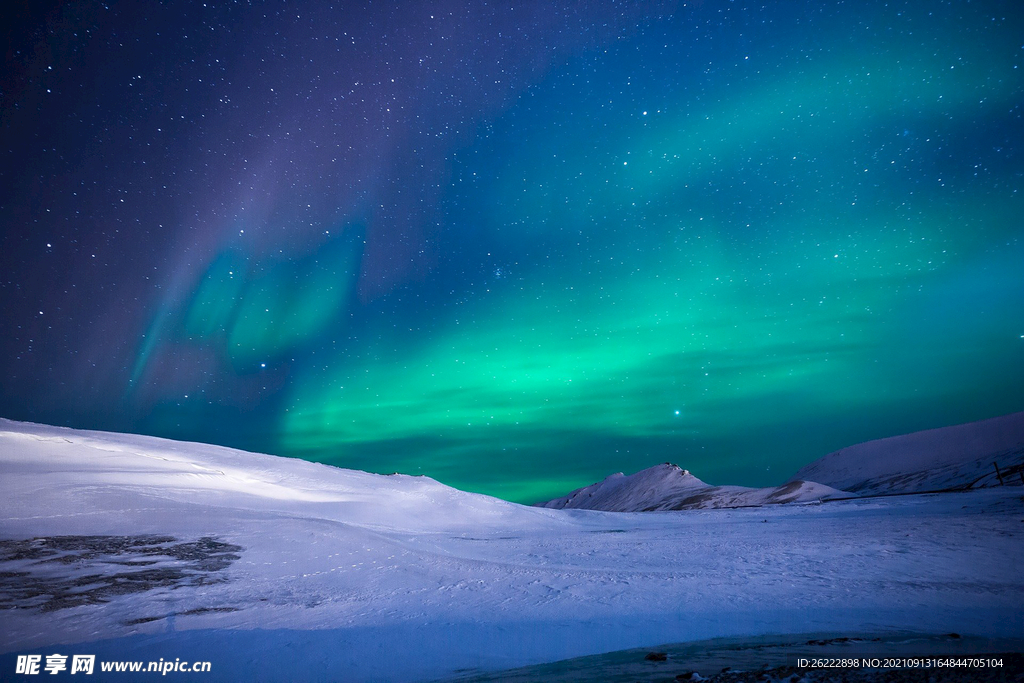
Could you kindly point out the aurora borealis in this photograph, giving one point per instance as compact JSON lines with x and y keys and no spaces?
{"x":515,"y":247}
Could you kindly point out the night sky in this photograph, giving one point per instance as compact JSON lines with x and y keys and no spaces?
{"x":514,"y":247}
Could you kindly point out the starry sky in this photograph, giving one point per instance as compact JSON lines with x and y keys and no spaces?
{"x":514,"y":246}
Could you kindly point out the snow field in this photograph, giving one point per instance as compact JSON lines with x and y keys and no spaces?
{"x":353,"y":576}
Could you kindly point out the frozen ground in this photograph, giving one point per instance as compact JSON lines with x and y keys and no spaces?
{"x":281,"y":570}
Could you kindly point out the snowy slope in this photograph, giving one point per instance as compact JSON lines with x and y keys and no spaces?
{"x":273,"y":569}
{"x":950,"y":457}
{"x":669,"y":487}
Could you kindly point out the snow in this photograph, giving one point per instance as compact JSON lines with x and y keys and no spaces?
{"x":961,"y":456}
{"x":276,"y":569}
{"x":669,"y":487}
{"x":950,"y":457}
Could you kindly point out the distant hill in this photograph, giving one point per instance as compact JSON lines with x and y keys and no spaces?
{"x":960,"y":456}
{"x":669,"y":487}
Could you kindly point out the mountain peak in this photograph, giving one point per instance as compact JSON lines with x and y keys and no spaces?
{"x":670,"y":487}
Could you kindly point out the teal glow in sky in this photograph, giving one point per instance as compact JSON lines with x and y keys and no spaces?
{"x":518,"y":251}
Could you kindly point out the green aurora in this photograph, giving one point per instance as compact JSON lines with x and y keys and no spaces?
{"x":518,"y":249}
{"x":731,"y":287}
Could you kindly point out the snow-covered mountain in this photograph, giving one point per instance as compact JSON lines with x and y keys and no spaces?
{"x":136,"y":549}
{"x":960,"y":456}
{"x":669,"y":487}
{"x":955,"y":457}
